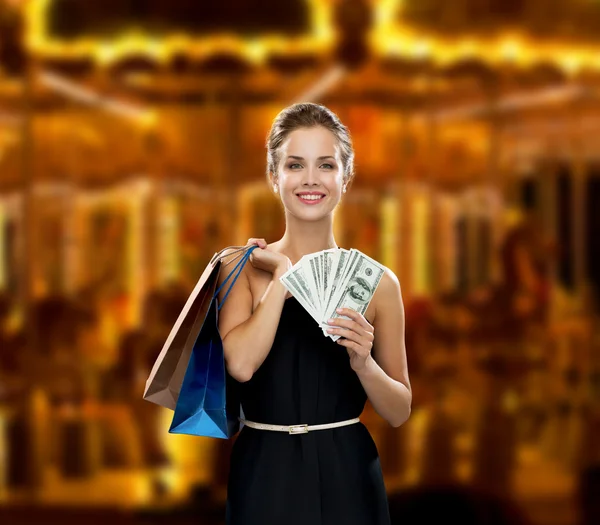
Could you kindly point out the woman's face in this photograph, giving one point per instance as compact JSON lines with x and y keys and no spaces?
{"x":310,"y":173}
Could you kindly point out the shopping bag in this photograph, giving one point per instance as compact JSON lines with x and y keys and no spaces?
{"x":166,"y":377}
{"x":209,"y":403}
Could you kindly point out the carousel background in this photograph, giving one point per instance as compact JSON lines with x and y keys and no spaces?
{"x":132,"y":148}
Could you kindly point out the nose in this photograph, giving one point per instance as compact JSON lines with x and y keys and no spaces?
{"x":311,"y":177}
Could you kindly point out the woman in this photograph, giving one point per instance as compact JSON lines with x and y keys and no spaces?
{"x":289,"y":373}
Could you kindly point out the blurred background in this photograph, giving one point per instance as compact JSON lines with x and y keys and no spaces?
{"x":132,"y":149}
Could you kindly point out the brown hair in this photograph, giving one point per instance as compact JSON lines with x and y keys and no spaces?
{"x":308,"y":115}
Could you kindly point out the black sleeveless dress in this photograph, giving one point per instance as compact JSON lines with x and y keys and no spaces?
{"x":323,"y":477}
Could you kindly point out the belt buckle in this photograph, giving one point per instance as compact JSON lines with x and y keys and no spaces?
{"x":298,"y":429}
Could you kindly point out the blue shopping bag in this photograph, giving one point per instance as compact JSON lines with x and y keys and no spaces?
{"x":208,"y":403}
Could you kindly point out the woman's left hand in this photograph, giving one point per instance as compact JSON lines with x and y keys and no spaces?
{"x":357,"y":335}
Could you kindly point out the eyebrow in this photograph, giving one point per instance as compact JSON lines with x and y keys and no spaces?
{"x":319,"y":158}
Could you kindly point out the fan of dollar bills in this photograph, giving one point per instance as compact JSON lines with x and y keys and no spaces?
{"x":327,"y":280}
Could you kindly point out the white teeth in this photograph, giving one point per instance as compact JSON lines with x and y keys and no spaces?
{"x":311,"y":197}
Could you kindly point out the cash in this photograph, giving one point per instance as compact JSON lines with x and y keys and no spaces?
{"x":327,"y":280}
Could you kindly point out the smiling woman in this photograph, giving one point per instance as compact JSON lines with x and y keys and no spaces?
{"x":303,"y":456}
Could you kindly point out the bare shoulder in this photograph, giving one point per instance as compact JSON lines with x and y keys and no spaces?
{"x":251,"y":279}
{"x":235,"y":297}
{"x":230,"y":257}
{"x":389,"y":284}
{"x":388,"y":294}
{"x":389,"y":281}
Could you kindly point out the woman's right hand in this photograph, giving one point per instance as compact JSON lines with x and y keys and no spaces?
{"x":268,"y":260}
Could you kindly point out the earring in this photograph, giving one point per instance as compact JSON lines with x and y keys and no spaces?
{"x":275,"y":189}
{"x":344,"y":190}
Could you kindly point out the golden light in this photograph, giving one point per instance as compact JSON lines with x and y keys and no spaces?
{"x":510,"y":49}
{"x":3,"y":265}
{"x":170,"y":260}
{"x":571,"y":63}
{"x":106,"y":54}
{"x":255,"y":52}
{"x":391,"y":37}
{"x":148,"y":119}
{"x":467,"y":48}
{"x":324,"y":84}
{"x":421,"y":49}
{"x":420,"y":250}
{"x":143,"y":116}
{"x":42,"y":44}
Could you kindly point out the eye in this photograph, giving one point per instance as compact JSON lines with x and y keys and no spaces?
{"x":293,"y":166}
{"x":327,"y":166}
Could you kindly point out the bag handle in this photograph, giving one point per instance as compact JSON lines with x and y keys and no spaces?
{"x":237,"y":268}
{"x":240,"y":250}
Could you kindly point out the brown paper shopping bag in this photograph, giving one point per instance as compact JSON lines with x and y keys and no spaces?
{"x":165,"y":380}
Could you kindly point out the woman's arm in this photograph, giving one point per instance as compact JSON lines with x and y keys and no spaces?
{"x":385,"y":374}
{"x":248,"y":336}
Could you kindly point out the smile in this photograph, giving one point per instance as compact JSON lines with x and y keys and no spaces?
{"x":311,"y":199}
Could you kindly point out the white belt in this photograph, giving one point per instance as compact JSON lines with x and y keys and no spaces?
{"x":298,"y":429}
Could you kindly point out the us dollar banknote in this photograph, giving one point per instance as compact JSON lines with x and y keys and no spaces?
{"x":335,"y":278}
{"x":295,"y":283}
{"x":360,"y":282}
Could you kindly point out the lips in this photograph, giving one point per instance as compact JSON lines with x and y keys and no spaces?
{"x":310,"y":198}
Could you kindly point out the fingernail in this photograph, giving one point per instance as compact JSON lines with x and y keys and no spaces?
{"x":330,"y":330}
{"x":330,"y":321}
{"x":339,"y":310}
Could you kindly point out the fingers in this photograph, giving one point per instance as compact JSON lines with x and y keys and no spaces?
{"x":356,"y":317}
{"x":355,"y":347}
{"x":261,"y":243}
{"x":347,"y":333}
{"x":356,"y":331}
{"x":347,"y":325}
{"x":356,"y":322}
{"x":364,"y":341}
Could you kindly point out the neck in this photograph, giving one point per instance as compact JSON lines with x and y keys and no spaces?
{"x":301,"y":237}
